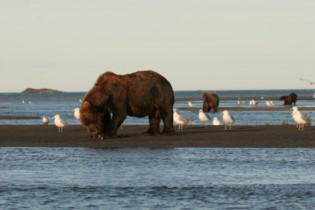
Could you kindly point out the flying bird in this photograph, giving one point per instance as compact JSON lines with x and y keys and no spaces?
{"x":308,"y":81}
{"x":60,"y":124}
{"x":203,"y":118}
{"x":228,"y":119}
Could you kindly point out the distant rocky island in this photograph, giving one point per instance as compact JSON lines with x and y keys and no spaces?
{"x":40,"y":90}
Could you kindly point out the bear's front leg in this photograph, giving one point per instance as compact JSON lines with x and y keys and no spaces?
{"x":116,"y":122}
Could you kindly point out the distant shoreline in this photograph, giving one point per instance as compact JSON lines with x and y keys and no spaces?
{"x":285,"y":136}
{"x":196,"y":94}
{"x":199,"y":90}
{"x":41,"y":90}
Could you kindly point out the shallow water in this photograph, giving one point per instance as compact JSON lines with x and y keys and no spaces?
{"x":77,"y":178}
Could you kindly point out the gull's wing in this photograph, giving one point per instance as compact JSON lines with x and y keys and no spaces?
{"x":306,"y":80}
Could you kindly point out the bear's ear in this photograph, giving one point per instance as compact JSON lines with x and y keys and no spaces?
{"x":205,"y":96}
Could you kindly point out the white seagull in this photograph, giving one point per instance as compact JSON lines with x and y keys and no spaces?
{"x":203,"y":118}
{"x":299,"y":118}
{"x":216,"y":121}
{"x":190,"y":104}
{"x":179,"y":120}
{"x":240,"y":102}
{"x":45,"y":120}
{"x":228,"y":119}
{"x":253,"y":102}
{"x":59,"y":123}
{"x":76,"y":113}
{"x":269,"y":103}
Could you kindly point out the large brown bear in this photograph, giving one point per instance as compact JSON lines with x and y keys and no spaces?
{"x":114,"y":97}
{"x":290,"y":99}
{"x":210,"y":102}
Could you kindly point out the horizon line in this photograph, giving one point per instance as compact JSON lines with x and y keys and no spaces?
{"x":183,"y":90}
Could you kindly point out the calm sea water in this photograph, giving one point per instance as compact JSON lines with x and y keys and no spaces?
{"x":63,"y":104}
{"x":77,"y":178}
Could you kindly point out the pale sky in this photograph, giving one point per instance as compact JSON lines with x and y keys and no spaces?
{"x":204,"y":44}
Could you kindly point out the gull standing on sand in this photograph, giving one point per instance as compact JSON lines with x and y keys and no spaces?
{"x":179,"y":120}
{"x":253,"y":102}
{"x":216,"y":121}
{"x":240,"y":102}
{"x":190,"y":104}
{"x":203,"y":118}
{"x":228,"y":119}
{"x":269,"y":103}
{"x":45,"y":120}
{"x":76,"y":113}
{"x":299,"y":118}
{"x":59,"y":123}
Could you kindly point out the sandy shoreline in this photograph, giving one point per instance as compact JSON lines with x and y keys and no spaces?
{"x":132,"y":136}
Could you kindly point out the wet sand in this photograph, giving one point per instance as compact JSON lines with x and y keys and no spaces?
{"x":285,"y":136}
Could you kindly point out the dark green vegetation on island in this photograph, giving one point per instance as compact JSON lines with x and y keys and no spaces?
{"x":40,"y":90}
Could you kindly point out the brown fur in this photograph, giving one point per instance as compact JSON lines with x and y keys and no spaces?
{"x":210,"y":102}
{"x":290,"y":99}
{"x":114,"y":97}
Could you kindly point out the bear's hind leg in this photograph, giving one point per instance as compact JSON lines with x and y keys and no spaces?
{"x":167,"y":117}
{"x":154,"y":119}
